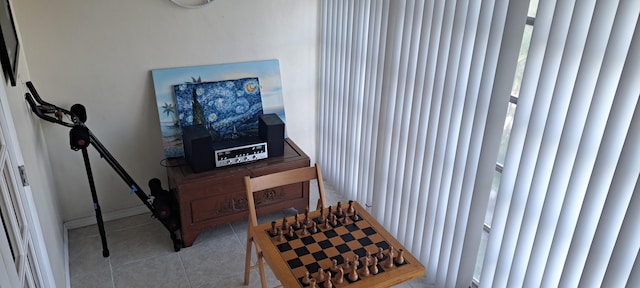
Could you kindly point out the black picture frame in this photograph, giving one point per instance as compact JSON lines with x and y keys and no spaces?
{"x":9,"y":46}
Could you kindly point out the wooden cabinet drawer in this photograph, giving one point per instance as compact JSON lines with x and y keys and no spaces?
{"x":206,"y":188}
{"x":209,"y":208}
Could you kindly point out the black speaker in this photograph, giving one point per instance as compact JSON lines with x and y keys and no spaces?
{"x":198,"y":148}
{"x":271,"y":130}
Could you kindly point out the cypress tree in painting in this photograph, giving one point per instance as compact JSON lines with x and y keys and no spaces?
{"x":198,"y":111}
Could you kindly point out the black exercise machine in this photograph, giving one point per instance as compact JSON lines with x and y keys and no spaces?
{"x":161,"y":203}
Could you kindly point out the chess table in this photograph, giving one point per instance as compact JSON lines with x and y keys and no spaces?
{"x":291,"y":256}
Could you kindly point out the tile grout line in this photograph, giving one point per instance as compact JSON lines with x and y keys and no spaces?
{"x":235,"y":233}
{"x":184,"y":270}
{"x":113,"y":280}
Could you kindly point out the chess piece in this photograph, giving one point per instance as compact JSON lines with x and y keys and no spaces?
{"x":304,"y":231}
{"x":355,"y":217}
{"x":306,"y":279}
{"x":346,"y":265}
{"x":334,"y":220}
{"x":389,"y":263}
{"x":345,"y":219}
{"x":326,"y":224}
{"x":280,"y":236}
{"x":296,"y":222}
{"x":356,"y":261}
{"x":353,"y":275}
{"x":339,"y":276}
{"x":328,"y":284}
{"x":374,"y":266}
{"x":307,"y":220}
{"x":400,"y":257}
{"x":312,"y":283}
{"x":350,"y":209}
{"x":321,"y":275}
{"x":321,"y":218}
{"x":329,"y":213}
{"x":380,"y":254}
{"x":369,"y":258}
{"x":285,"y":224}
{"x":291,"y":232}
{"x":366,"y":261}
{"x":334,"y":265}
{"x":365,"y":268}
{"x":339,"y":212}
{"x":274,"y":230}
{"x":314,"y":227}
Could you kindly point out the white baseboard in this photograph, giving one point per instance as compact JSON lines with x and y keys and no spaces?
{"x":82,"y":222}
{"x":65,"y":244}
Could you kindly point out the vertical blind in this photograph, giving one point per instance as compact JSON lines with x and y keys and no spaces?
{"x":565,"y":159}
{"x":414,"y":95}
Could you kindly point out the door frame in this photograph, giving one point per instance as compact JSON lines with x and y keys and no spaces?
{"x":41,"y":255}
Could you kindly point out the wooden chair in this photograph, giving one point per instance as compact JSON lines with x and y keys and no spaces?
{"x":261,"y":183}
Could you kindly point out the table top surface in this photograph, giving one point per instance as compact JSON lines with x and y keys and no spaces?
{"x":179,"y":171}
{"x":358,"y":239}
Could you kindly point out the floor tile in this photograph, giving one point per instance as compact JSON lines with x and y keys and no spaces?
{"x":83,"y":232}
{"x":237,"y":281}
{"x":218,"y":259}
{"x":160,"y":271}
{"x":113,"y":225}
{"x":213,"y":234}
{"x":85,"y":256}
{"x":421,"y":283}
{"x":129,"y":222}
{"x":94,"y":279}
{"x":139,"y":242}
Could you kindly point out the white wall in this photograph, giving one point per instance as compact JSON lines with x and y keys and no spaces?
{"x":100,"y":54}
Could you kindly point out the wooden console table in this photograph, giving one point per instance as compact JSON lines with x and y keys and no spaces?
{"x":218,"y":196}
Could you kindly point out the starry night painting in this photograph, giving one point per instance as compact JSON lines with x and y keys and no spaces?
{"x":228,"y":109}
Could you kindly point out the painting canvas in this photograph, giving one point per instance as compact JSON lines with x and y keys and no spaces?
{"x":165,"y":80}
{"x":228,"y":109}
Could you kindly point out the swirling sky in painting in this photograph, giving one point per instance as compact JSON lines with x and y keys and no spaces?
{"x":228,"y":109}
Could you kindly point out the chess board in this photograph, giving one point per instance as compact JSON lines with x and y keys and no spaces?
{"x":294,"y":254}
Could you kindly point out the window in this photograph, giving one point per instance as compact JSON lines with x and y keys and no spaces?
{"x":506,"y":133}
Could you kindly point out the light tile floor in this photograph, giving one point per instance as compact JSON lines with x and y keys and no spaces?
{"x":142,"y":255}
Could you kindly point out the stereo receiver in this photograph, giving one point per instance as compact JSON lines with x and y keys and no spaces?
{"x":239,"y":151}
